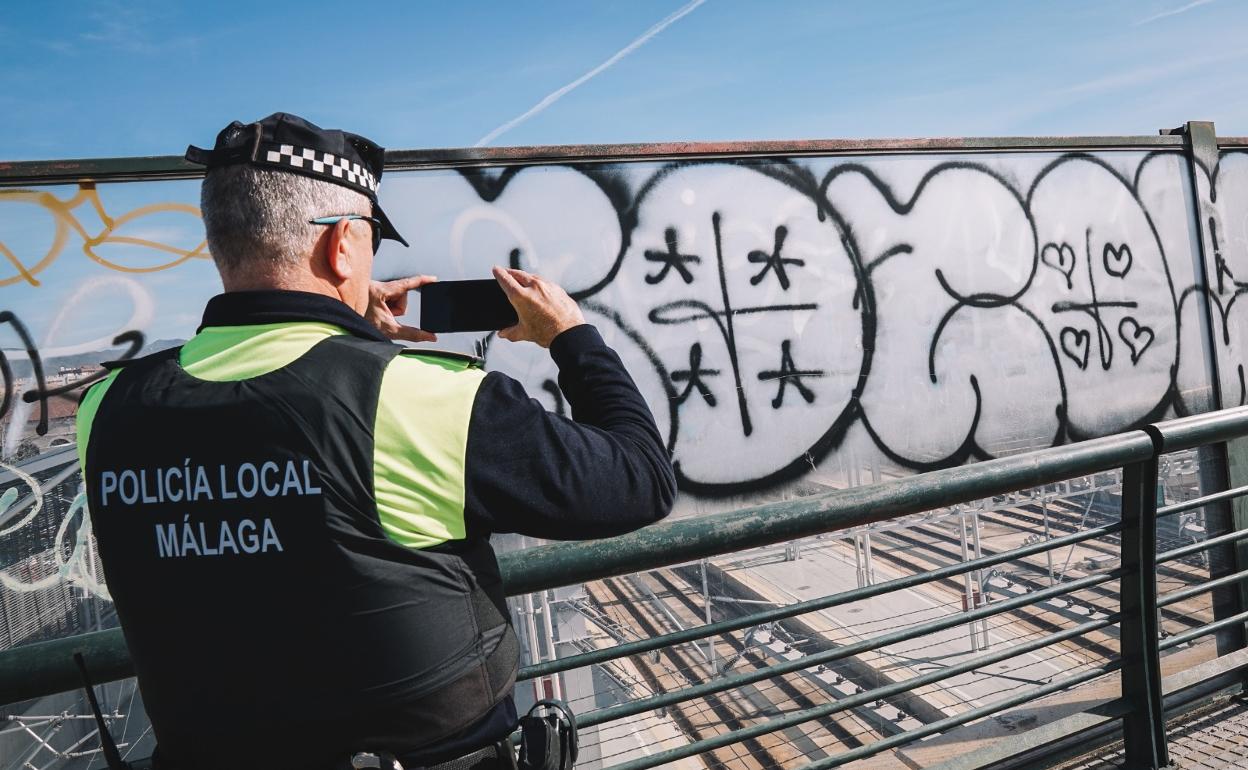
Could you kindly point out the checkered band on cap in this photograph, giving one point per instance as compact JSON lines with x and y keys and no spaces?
{"x":323,"y":163}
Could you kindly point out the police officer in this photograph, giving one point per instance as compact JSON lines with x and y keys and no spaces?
{"x":293,"y":512}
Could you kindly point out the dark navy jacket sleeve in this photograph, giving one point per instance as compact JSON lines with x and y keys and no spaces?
{"x":604,"y":472}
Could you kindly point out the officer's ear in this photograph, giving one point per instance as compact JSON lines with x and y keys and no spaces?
{"x":338,"y":251}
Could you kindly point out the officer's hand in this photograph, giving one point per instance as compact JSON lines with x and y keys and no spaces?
{"x":545,"y":310}
{"x":387,"y":299}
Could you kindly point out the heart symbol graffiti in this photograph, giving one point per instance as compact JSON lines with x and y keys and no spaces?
{"x":1075,"y":343}
{"x":1061,"y":258}
{"x":1137,"y":338}
{"x":1117,"y":260}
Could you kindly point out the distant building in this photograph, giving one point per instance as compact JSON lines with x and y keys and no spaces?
{"x":61,"y":411}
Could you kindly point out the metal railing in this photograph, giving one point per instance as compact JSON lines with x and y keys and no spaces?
{"x":47,"y":668}
{"x":153,"y":168}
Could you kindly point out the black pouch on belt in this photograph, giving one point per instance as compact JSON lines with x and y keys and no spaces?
{"x":548,"y":741}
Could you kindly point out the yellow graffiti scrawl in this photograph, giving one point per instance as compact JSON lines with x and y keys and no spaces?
{"x":62,"y":213}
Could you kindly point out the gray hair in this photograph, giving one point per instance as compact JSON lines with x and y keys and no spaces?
{"x":257,"y":219}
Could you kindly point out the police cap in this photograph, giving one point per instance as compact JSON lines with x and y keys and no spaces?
{"x":287,"y":142}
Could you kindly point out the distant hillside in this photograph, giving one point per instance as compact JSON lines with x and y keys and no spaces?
{"x":22,"y":368}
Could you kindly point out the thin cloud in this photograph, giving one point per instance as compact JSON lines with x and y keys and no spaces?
{"x":555,"y":96}
{"x":1173,"y":12}
{"x":1150,"y":73}
{"x":1117,"y":101}
{"x":118,"y":28}
{"x":1128,"y":79}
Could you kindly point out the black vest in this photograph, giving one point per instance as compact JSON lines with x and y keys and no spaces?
{"x":271,"y":622}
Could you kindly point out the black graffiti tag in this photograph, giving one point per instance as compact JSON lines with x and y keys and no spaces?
{"x":1137,"y":338}
{"x":1090,"y":320}
{"x":1094,"y":308}
{"x":1117,"y":260}
{"x":552,"y":387}
{"x":671,"y":259}
{"x":774,"y":261}
{"x":789,"y":374}
{"x":1075,"y":344}
{"x":693,"y":376}
{"x":41,"y":392}
{"x":1060,"y":257}
{"x":690,"y":310}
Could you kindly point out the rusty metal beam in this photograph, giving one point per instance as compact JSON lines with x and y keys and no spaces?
{"x":135,"y":169}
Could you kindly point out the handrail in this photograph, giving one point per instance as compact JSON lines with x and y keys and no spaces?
{"x":166,"y":167}
{"x":841,"y":652}
{"x":800,"y":608}
{"x":676,"y":542}
{"x":47,"y":667}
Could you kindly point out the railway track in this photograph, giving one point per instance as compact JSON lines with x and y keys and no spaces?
{"x":943,"y":548}
{"x":1184,"y":576}
{"x":627,"y":602}
{"x":1067,"y":518}
{"x":702,"y":718}
{"x":656,"y":602}
{"x":795,"y":687}
{"x":1032,"y":618}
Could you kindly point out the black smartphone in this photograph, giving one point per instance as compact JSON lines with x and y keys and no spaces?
{"x":465,"y":306}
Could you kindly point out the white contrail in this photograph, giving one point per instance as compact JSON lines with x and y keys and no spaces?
{"x":625,"y":51}
{"x":1175,"y":12}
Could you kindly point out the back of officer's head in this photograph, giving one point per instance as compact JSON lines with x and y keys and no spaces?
{"x":256,"y":219}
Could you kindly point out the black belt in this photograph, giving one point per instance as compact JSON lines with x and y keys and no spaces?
{"x":499,"y":756}
{"x":548,"y":742}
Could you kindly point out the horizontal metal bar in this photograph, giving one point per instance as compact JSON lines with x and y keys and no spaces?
{"x":44,"y":668}
{"x":684,"y":540}
{"x":1188,"y":505}
{"x":40,"y":172}
{"x":676,"y":542}
{"x":1202,"y":545}
{"x":1174,"y":597}
{"x":576,"y":154}
{"x":811,"y":605}
{"x":75,"y":170}
{"x":642,"y":705}
{"x":965,"y":717}
{"x":1046,"y":736}
{"x":1204,"y":630}
{"x":1207,"y":428}
{"x":680,"y":541}
{"x":1092,"y":728}
{"x":47,"y":667}
{"x":1204,"y":680}
{"x":841,"y":704}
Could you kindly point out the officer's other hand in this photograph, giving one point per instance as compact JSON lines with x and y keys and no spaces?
{"x":544,"y":308}
{"x":387,"y":299}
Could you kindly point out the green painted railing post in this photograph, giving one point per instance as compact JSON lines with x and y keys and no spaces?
{"x":1144,"y":726}
{"x":1219,"y":466}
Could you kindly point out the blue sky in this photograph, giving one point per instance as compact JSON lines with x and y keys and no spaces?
{"x":139,"y":78}
{"x":87,"y":78}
